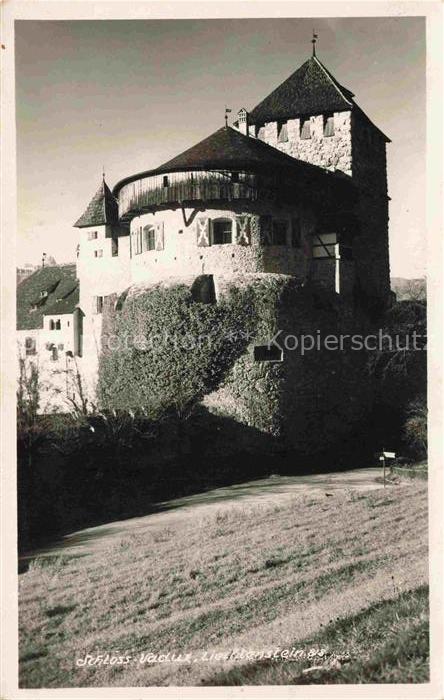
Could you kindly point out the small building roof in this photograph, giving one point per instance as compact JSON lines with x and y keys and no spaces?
{"x":228,"y":149}
{"x":49,"y":290}
{"x":310,"y":90}
{"x":102,"y":209}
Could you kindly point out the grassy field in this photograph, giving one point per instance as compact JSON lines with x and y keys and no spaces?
{"x":345,"y":572}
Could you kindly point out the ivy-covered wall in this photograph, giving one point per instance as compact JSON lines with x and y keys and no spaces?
{"x":169,"y":348}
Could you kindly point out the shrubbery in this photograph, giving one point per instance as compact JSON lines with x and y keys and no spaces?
{"x":172,"y":350}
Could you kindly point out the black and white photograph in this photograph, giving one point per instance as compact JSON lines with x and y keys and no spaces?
{"x":218,"y":375}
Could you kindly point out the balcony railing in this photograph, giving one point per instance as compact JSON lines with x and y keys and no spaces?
{"x":179,"y":188}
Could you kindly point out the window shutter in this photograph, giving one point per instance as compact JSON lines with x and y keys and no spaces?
{"x":295,"y":233}
{"x":243,"y":230}
{"x":203,"y":232}
{"x":159,"y":236}
{"x":265,"y":224}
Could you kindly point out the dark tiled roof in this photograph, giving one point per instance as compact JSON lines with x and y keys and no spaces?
{"x":102,"y":209}
{"x":62,"y":288}
{"x":227,"y":149}
{"x":310,"y":90}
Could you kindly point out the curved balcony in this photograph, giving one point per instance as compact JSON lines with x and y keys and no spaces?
{"x":181,"y":188}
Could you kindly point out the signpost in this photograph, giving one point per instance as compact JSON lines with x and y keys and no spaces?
{"x":386,"y":455}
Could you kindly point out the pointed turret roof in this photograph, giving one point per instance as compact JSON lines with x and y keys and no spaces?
{"x":102,"y":209}
{"x":310,"y":90}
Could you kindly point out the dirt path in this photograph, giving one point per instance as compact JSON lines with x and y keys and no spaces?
{"x":172,"y":513}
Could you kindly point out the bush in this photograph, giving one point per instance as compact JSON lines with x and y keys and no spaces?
{"x":416,"y":427}
{"x":172,"y":350}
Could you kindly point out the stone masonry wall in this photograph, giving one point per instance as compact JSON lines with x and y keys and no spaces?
{"x":332,"y":152}
{"x":371,"y":247}
{"x":309,"y":400}
{"x":182,"y":255}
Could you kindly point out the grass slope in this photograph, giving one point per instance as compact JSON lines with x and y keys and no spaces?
{"x":253,"y":577}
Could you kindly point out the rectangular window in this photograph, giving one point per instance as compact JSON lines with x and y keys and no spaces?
{"x":149,"y":238}
{"x":324,"y":245}
{"x":222,"y":231}
{"x":295,"y":233}
{"x":58,"y":325}
{"x":279,"y":233}
{"x":98,"y":253}
{"x":97,"y":305}
{"x":114,"y":247}
{"x":54,"y":354}
{"x":305,"y":129}
{"x":30,"y":346}
{"x":268,"y":353}
{"x":92,"y":235}
{"x":165,"y":181}
{"x":329,"y":125}
{"x":282,"y":132}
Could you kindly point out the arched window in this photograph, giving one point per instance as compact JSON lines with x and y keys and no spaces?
{"x":222,"y":231}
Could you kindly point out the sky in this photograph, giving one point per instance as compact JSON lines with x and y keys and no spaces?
{"x":129,"y":95}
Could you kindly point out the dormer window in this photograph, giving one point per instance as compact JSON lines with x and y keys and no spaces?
{"x":305,"y":128}
{"x":222,"y":231}
{"x":329,"y":125}
{"x":43,"y":295}
{"x":282,"y":132}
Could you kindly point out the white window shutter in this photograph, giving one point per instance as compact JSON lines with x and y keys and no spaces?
{"x":243,"y":230}
{"x":203,"y":232}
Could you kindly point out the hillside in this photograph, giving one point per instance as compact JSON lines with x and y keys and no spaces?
{"x":263,"y":576}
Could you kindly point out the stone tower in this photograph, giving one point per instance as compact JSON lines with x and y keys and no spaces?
{"x":313,"y":118}
{"x":102,"y":268}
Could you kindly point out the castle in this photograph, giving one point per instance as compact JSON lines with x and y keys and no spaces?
{"x":295,"y":190}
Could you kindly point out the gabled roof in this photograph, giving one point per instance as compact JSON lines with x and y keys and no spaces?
{"x":102,"y":209}
{"x":227,"y":149}
{"x":49,"y":290}
{"x":310,"y":90}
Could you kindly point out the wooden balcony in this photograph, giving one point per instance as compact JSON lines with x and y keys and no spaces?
{"x":185,"y":188}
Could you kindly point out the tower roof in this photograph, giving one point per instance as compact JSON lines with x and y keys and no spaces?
{"x":227,"y":149}
{"x":102,"y":209}
{"x":310,"y":90}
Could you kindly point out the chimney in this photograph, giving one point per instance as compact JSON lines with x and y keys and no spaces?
{"x":242,"y":119}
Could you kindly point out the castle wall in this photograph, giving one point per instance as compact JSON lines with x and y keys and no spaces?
{"x":99,"y":275}
{"x":331,"y":152}
{"x":358,"y":149}
{"x":308,"y":399}
{"x":181,"y":254}
{"x":371,"y":247}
